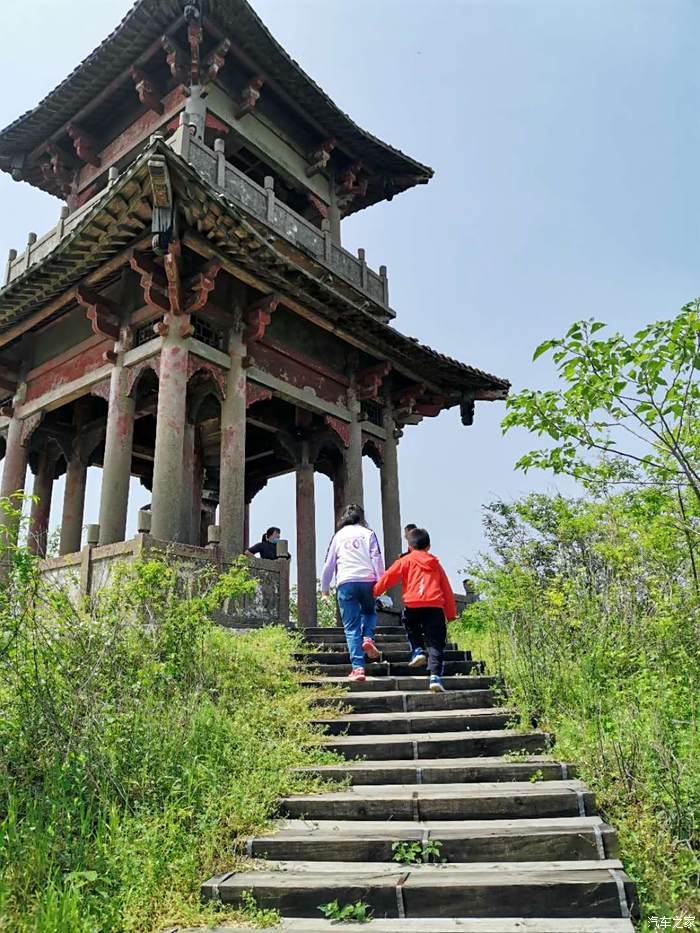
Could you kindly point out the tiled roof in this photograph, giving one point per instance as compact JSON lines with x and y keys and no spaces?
{"x":136,"y":33}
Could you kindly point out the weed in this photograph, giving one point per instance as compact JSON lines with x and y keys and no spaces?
{"x":359,"y":912}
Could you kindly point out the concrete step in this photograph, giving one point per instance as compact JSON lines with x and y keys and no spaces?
{"x":410,"y":682}
{"x":334,"y":637}
{"x":396,"y":701}
{"x":396,"y":669}
{"x":510,"y":800}
{"x":504,"y":840}
{"x":392,"y":655}
{"x":339,"y":631}
{"x":443,"y":925}
{"x":434,"y":891}
{"x":440,"y":745}
{"x":439,"y":720}
{"x":446,"y":770}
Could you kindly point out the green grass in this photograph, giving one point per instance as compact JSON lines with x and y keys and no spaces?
{"x":136,"y":760}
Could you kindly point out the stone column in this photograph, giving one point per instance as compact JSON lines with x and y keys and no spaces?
{"x":306,"y":540}
{"x":41,"y":506}
{"x":170,"y":430}
{"x":188,"y":484}
{"x":246,"y":526}
{"x":74,"y":502}
{"x":338,"y":493}
{"x":116,"y":469}
{"x":232,"y":463}
{"x":354,"y":491}
{"x":389,"y":480}
{"x":13,"y":477}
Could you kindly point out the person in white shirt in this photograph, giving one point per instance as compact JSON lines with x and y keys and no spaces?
{"x":355,"y":559}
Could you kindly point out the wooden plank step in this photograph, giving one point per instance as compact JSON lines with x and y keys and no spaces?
{"x":335,"y":637}
{"x":396,"y":669}
{"x":439,"y":745}
{"x":393,"y":655}
{"x":491,"y":840}
{"x":445,"y":720}
{"x":443,"y":925}
{"x":410,"y":682}
{"x":396,"y":701}
{"x":446,"y":770}
{"x":430,"y":891}
{"x":489,"y":800}
{"x":397,"y":629}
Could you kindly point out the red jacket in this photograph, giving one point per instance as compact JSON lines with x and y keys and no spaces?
{"x":423,"y":580}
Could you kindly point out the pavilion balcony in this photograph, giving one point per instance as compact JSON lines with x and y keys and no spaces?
{"x":258,"y":201}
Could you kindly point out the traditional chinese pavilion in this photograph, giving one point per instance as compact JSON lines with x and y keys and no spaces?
{"x":193,"y":319}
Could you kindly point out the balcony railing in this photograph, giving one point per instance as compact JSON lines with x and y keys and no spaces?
{"x":260,"y":202}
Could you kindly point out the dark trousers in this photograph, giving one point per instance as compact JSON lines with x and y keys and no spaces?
{"x":429,"y":625}
{"x":414,"y":632}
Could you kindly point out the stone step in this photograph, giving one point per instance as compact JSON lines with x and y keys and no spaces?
{"x":339,"y":631}
{"x":504,"y":840}
{"x":441,"y":720}
{"x":396,"y":669}
{"x":509,"y":800}
{"x":439,"y":745}
{"x":396,"y":701}
{"x":385,"y":647}
{"x":392,"y":655}
{"x":433,"y":891}
{"x":445,"y":770}
{"x":334,"y":637}
{"x":410,"y":682}
{"x":443,"y":925}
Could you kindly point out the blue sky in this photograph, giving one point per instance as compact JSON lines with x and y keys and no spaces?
{"x":565,"y":140}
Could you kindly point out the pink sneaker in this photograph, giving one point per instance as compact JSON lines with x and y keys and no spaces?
{"x":370,"y":649}
{"x":357,"y":675}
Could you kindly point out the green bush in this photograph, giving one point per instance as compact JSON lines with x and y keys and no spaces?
{"x":140,"y":744}
{"x":589,"y":609}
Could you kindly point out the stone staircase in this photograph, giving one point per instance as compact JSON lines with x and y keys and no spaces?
{"x":521,"y":846}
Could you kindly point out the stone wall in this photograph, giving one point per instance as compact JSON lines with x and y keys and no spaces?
{"x":88,"y":571}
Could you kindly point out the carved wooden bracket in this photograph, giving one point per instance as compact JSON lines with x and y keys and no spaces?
{"x":369,"y":381}
{"x":214,"y":61}
{"x":134,"y":372}
{"x":153,"y":281}
{"x":249,"y":96}
{"x":172,"y":262}
{"x":102,"y":312}
{"x":162,"y":219}
{"x":176,"y":58}
{"x":320,"y":208}
{"x":258,"y":316}
{"x":101,"y":390}
{"x":85,"y":145}
{"x":58,"y":169}
{"x":319,"y":158}
{"x":339,"y":427}
{"x":150,"y":93}
{"x":200,"y":285}
{"x":466,"y":410}
{"x":196,"y":364}
{"x":351,"y":185}
{"x":255,"y":393}
{"x":195,"y":34}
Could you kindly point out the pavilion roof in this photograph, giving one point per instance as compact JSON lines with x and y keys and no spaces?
{"x":120,"y":218}
{"x":106,"y":70}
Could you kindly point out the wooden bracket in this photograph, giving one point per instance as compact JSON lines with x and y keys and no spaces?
{"x":176,"y":58}
{"x":214,"y":61}
{"x":466,"y":410}
{"x":102,"y":312}
{"x":258,"y":316}
{"x":162,"y":219}
{"x":319,"y":206}
{"x":149,"y":92}
{"x":200,"y":285}
{"x":351,"y":185}
{"x":85,"y":145}
{"x":249,"y":96}
{"x":319,"y":158}
{"x":195,"y":35}
{"x":171,"y":263}
{"x":369,"y":381}
{"x":58,"y":169}
{"x":153,"y":281}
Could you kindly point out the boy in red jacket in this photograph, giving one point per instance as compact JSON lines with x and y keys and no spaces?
{"x":427,"y":595}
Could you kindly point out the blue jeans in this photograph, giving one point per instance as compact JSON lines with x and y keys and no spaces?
{"x":359,"y":615}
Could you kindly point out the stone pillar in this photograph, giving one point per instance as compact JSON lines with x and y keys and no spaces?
{"x":116,"y":469}
{"x":354,"y":491}
{"x":13,"y":477}
{"x":74,"y":502}
{"x":232,"y":463}
{"x":41,"y":506}
{"x":306,"y":540}
{"x":338,"y":493}
{"x":246,"y":526}
{"x":389,"y":480}
{"x":170,"y":430}
{"x":187,"y":532}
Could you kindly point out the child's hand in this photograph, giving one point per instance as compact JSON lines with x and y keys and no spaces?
{"x":325,"y":595}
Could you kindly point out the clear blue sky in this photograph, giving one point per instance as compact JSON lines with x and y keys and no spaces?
{"x":565,"y":138}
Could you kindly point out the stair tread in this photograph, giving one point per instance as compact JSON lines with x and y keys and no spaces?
{"x":430,"y":736}
{"x":443,"y":925}
{"x":391,"y":868}
{"x":442,"y":828}
{"x":457,"y":790}
{"x":429,"y":763}
{"x":475,"y":713}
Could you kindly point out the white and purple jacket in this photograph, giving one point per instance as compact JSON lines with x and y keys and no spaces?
{"x":353,"y":557}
